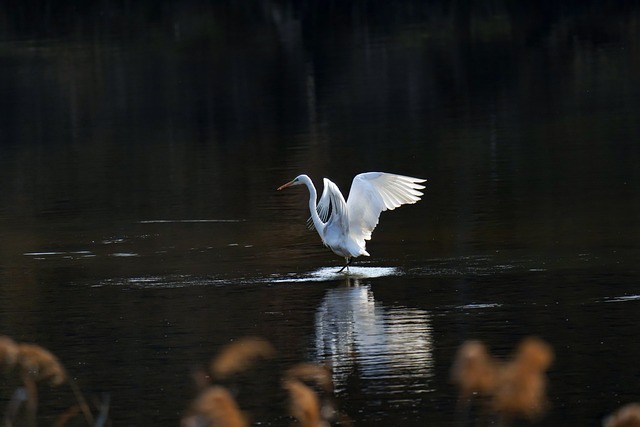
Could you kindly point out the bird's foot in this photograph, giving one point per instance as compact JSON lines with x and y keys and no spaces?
{"x":349,"y":261}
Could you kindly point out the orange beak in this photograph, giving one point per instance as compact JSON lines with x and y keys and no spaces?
{"x":285,"y":185}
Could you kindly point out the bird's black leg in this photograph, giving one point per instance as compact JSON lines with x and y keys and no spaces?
{"x":349,"y":260}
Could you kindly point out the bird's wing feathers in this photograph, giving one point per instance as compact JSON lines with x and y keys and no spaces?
{"x":330,"y":201}
{"x":374,"y":192}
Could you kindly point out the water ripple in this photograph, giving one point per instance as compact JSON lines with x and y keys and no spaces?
{"x":324,"y":274}
{"x":168,"y":281}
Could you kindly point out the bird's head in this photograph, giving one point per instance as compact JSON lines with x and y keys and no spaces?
{"x":298,"y":180}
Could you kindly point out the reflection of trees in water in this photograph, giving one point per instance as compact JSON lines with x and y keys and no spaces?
{"x":361,"y":338}
{"x":142,"y":110}
{"x":532,"y":20}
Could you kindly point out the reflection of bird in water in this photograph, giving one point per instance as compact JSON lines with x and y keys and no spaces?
{"x":510,"y":389}
{"x":354,"y":332}
{"x":343,"y":225}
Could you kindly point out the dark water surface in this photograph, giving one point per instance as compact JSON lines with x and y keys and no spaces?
{"x":140,"y":150}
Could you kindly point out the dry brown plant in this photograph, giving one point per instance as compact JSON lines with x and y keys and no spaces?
{"x":474,"y":371}
{"x":318,"y":378}
{"x":534,"y":355}
{"x":626,"y":416}
{"x":239,"y":356}
{"x":310,"y":389}
{"x":40,"y":364}
{"x":36,"y":364}
{"x":304,"y":404}
{"x":214,"y":407}
{"x":312,"y":372}
{"x":521,"y":387}
{"x":8,"y":351}
{"x":514,"y":388}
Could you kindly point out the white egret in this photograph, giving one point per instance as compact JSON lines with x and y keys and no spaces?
{"x":344,"y":226}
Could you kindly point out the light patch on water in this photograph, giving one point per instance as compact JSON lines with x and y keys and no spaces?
{"x":43,"y":253}
{"x":60,"y":254}
{"x":187,"y":221}
{"x":623,"y":298}
{"x":113,"y":241}
{"x":478,"y":306}
{"x":125,"y":254}
{"x":334,"y":273}
{"x":172,"y":281}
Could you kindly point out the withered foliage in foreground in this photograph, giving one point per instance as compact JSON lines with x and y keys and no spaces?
{"x":309,"y":386}
{"x":510,"y":389}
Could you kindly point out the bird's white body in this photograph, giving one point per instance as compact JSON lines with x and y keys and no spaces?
{"x":344,"y":226}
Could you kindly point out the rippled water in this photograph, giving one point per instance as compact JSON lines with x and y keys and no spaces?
{"x":141,"y":229}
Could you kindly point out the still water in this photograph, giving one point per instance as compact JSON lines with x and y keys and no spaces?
{"x":140,"y":150}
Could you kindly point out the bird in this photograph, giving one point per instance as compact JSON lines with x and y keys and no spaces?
{"x":344,"y":226}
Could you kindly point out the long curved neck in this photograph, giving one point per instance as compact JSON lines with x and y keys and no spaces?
{"x":313,"y":195}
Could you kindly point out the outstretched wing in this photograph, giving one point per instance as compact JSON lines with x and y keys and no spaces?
{"x":374,"y":192}
{"x":331,"y":201}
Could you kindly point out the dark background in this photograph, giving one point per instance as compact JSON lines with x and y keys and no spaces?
{"x":141,"y":144}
